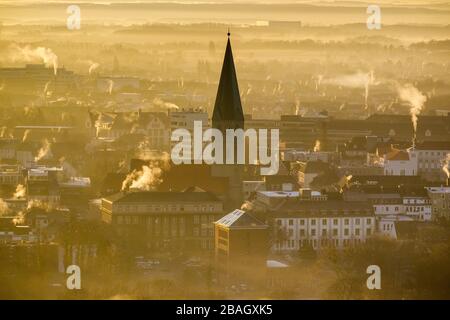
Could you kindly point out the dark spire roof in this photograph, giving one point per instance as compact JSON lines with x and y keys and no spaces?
{"x":228,"y":101}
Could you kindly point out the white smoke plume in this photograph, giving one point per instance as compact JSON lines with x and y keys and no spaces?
{"x":146,"y":179}
{"x":297,"y":106}
{"x":3,"y":132}
{"x":25,"y":135}
{"x":247,"y":206}
{"x":37,"y":204}
{"x":168,"y":105}
{"x":415,"y":99}
{"x":69,"y":170}
{"x":46,"y":87}
{"x":446,"y":166}
{"x":93,"y":66}
{"x":249,"y":89}
{"x":21,"y":216}
{"x":317,"y":146}
{"x":149,"y":177}
{"x":4,"y":208}
{"x":20,"y":192}
{"x":44,"y":152}
{"x":29,"y":54}
{"x":357,"y":80}
{"x":111,"y":86}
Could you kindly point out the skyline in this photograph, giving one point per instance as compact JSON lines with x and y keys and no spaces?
{"x":135,"y":161}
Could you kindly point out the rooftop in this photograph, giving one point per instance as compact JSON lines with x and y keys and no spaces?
{"x":397,"y":155}
{"x":438,"y":189}
{"x":325,"y":208}
{"x":150,"y":196}
{"x":240,"y":219}
{"x":287,"y":194}
{"x":433,"y":145}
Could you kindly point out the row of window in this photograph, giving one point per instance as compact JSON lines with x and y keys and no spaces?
{"x":407,"y":209}
{"x":302,"y":222}
{"x":290,"y":244}
{"x":161,"y":208}
{"x":324,"y":233}
{"x":206,"y":220}
{"x":438,"y":153}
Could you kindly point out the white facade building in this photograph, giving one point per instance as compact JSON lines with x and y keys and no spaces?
{"x":322,"y":231}
{"x":401,"y":163}
{"x":307,"y":219}
{"x":416,"y":207}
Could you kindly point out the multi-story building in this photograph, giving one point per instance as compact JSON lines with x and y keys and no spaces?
{"x":42,"y":184}
{"x":440,"y":201}
{"x":10,"y":175}
{"x":11,"y":233}
{"x":35,"y":76}
{"x":393,"y":201}
{"x":432,"y":156}
{"x":417,"y":207}
{"x":8,"y":148}
{"x":309,"y":219}
{"x":241,"y":243}
{"x":401,"y":163}
{"x":329,"y":224}
{"x":295,"y":131}
{"x":164,"y":220}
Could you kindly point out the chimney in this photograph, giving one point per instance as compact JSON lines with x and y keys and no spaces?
{"x":304,"y":194}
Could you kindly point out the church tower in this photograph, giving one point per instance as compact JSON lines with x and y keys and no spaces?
{"x":228,"y":114}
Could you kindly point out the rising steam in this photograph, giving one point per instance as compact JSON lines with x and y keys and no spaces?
{"x":148,"y":178}
{"x":2,"y":134}
{"x":4,"y":209}
{"x":29,"y":54}
{"x":317,"y":146}
{"x":25,"y":135}
{"x":167,"y":105}
{"x":446,"y":166}
{"x":357,"y":80}
{"x":415,"y":99}
{"x":20,"y":192}
{"x":93,"y":66}
{"x":44,"y":152}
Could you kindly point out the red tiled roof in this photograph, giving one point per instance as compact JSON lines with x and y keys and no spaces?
{"x":397,"y":155}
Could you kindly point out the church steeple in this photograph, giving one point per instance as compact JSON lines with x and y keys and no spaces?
{"x":228,"y":112}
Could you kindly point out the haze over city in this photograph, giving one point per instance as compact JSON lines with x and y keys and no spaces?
{"x":224,"y":149}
